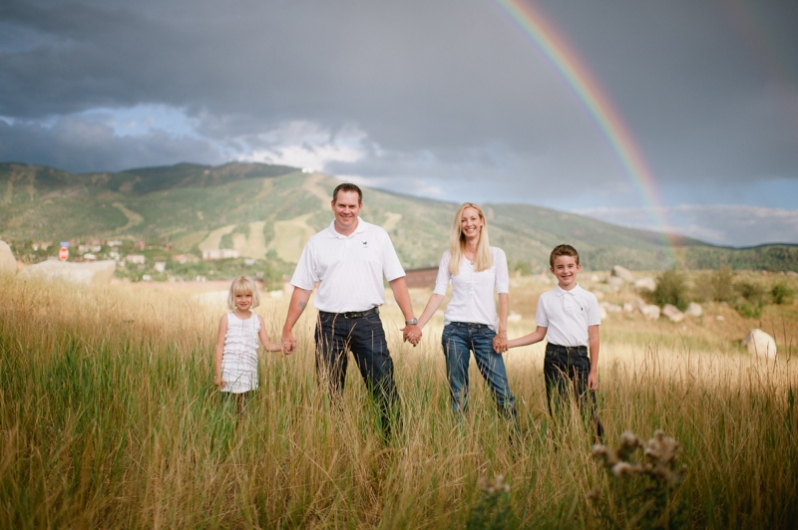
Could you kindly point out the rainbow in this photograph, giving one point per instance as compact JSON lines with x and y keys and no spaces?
{"x":579,"y":79}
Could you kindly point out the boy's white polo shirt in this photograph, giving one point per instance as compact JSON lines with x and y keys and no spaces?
{"x":349,"y":269}
{"x":567,"y":315}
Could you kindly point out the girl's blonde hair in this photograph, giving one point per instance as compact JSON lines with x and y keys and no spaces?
{"x":243,"y":285}
{"x":457,"y":242}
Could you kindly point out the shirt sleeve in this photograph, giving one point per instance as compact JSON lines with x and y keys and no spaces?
{"x":304,"y":275}
{"x":502,"y":274}
{"x":444,"y":276}
{"x":391,"y":267}
{"x":593,"y":313}
{"x":541,"y":318}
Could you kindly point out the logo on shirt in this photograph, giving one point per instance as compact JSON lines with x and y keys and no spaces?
{"x":365,"y":244}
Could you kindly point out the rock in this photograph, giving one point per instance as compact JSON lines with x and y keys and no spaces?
{"x":82,"y":273}
{"x":602,"y":313}
{"x":594,"y":278}
{"x":611,"y":308}
{"x":650,"y":311}
{"x":760,"y":344}
{"x":694,"y":310}
{"x":649,"y":284}
{"x":719,"y":318}
{"x":628,"y":307}
{"x":623,"y":273}
{"x":8,"y":263}
{"x":673,"y":313}
{"x":615,"y":282}
{"x":599,"y":295}
{"x":513,"y":317}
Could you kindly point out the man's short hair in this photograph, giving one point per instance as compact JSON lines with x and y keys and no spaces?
{"x":348,"y":186}
{"x":563,"y":250}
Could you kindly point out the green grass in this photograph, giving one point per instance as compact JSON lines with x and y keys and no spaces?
{"x":108,"y":418}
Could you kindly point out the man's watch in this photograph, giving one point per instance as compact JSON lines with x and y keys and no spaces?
{"x":412,"y":322}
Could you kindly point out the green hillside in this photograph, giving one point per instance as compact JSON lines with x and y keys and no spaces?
{"x":267,"y":212}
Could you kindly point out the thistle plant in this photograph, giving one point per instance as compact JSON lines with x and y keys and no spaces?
{"x":642,"y":481}
{"x":492,"y":510}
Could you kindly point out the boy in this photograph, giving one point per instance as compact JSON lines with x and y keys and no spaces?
{"x":570,"y":315}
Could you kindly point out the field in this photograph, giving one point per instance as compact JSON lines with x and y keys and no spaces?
{"x":109,"y":419}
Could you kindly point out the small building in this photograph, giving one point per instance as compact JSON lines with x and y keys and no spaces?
{"x":421,"y":278}
{"x":136,"y":258}
{"x":219,"y":253}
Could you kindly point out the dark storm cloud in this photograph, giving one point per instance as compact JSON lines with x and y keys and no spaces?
{"x":442,"y":89}
{"x":84,"y":145}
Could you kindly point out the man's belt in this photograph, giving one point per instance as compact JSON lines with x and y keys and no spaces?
{"x":353,"y":314}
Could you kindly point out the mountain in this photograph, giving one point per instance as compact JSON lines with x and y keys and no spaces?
{"x":268,"y":211}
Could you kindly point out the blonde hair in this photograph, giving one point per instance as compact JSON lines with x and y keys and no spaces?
{"x":457,"y":241}
{"x":243,"y":285}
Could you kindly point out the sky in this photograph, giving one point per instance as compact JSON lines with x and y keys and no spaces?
{"x":677,"y":115}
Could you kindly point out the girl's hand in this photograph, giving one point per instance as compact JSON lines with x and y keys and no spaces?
{"x":218,"y":381}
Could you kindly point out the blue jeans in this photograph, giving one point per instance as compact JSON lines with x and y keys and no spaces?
{"x":365,"y":338}
{"x":566,"y":370}
{"x":459,"y":339}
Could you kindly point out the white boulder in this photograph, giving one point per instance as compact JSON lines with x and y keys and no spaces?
{"x":602,"y":312}
{"x":611,"y":308}
{"x":623,"y":273}
{"x":629,"y":307}
{"x":615,"y":283}
{"x":650,"y":311}
{"x":760,"y":344}
{"x":8,"y":263}
{"x":694,"y":310}
{"x":82,"y":273}
{"x":647,"y":283}
{"x":672,"y":313}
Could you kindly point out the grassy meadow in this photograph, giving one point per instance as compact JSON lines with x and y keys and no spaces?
{"x":109,"y":419}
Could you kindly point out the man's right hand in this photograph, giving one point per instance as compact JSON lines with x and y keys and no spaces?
{"x":289,"y":342}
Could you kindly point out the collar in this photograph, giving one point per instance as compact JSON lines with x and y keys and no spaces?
{"x":562,"y":292}
{"x":334,"y":234}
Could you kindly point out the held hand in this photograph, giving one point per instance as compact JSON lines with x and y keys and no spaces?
{"x":289,"y":342}
{"x":592,"y":381}
{"x":500,"y":344}
{"x":218,"y":381}
{"x":411,"y":333}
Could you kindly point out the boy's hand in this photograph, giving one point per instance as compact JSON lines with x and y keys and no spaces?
{"x":500,"y":343}
{"x":218,"y":381}
{"x":592,"y":381}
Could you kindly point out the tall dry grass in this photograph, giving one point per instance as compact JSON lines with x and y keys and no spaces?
{"x":108,"y":418}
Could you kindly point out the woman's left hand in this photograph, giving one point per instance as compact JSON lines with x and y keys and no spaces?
{"x":500,"y":343}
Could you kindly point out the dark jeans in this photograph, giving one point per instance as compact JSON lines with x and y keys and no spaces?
{"x":569,"y":366}
{"x":365,"y":338}
{"x":459,"y":339}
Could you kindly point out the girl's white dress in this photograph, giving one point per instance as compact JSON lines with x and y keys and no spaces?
{"x":240,"y":356}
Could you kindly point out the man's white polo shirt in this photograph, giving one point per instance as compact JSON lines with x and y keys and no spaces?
{"x":349,"y":269}
{"x":567,"y":315}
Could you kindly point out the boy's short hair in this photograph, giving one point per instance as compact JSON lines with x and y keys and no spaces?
{"x":348,"y":186}
{"x":563,"y":250}
{"x":243,"y":285}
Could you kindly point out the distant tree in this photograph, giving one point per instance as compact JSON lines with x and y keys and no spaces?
{"x":671,"y":289}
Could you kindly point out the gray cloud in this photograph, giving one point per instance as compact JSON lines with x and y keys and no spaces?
{"x":451,"y":93}
{"x":721,"y":224}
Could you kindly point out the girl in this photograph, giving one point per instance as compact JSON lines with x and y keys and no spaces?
{"x":236,"y":355}
{"x":476,"y":270}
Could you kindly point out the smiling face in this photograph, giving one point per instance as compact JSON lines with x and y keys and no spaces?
{"x":565,"y":269}
{"x":346,"y":206}
{"x":471,"y":224}
{"x":243,"y":301}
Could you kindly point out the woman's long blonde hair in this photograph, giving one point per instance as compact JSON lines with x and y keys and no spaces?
{"x":457,"y":242}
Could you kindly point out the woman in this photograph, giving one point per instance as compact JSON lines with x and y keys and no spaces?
{"x":475,"y":269}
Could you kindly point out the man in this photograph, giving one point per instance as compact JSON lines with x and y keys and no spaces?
{"x":349,"y":259}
